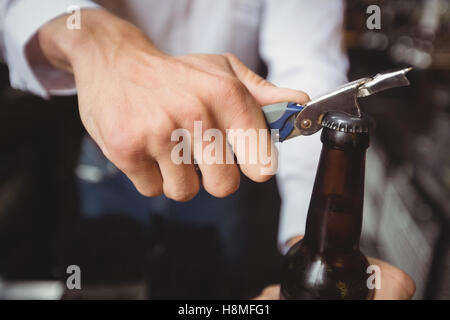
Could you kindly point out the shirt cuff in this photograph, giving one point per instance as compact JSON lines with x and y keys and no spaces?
{"x":21,"y":22}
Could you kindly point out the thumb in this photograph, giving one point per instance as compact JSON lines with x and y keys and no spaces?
{"x":262,"y":90}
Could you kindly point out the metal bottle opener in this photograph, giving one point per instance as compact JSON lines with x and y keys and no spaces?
{"x":292,"y":119}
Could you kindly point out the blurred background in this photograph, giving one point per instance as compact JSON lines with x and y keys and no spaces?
{"x":407,"y":200}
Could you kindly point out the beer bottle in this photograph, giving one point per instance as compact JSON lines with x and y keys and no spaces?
{"x":327,"y":262}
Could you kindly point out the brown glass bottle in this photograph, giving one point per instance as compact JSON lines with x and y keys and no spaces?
{"x":327,"y":262}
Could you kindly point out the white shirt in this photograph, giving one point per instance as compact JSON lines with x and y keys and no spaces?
{"x":299,"y":40}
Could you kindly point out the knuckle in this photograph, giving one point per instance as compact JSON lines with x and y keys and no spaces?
{"x":191,"y":112}
{"x":161,"y":130}
{"x":235,"y":96}
{"x":124,"y":147}
{"x":240,"y":115}
{"x":232,"y":88}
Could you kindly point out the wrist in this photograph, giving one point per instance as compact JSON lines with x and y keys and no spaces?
{"x":100,"y":33}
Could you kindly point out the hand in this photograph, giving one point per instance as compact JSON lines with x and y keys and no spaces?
{"x":395,"y":283}
{"x":132,"y":96}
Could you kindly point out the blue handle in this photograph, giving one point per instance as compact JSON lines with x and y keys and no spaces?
{"x":278,"y":117}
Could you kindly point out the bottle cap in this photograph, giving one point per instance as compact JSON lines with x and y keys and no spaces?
{"x":344,"y":122}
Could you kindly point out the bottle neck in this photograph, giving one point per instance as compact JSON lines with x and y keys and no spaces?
{"x":335,"y":212}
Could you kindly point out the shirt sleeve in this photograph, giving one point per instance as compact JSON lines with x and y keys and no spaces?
{"x":19,"y":21}
{"x":301,"y":44}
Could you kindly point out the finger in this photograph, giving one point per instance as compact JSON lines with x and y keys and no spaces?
{"x":271,"y":292}
{"x":262,"y":90}
{"x":220,"y":174}
{"x":146,"y":177}
{"x":395,"y":283}
{"x":249,"y":137}
{"x":129,"y":155}
{"x":180,"y":181}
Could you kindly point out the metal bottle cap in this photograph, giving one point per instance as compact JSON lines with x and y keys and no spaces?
{"x":344,"y":122}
